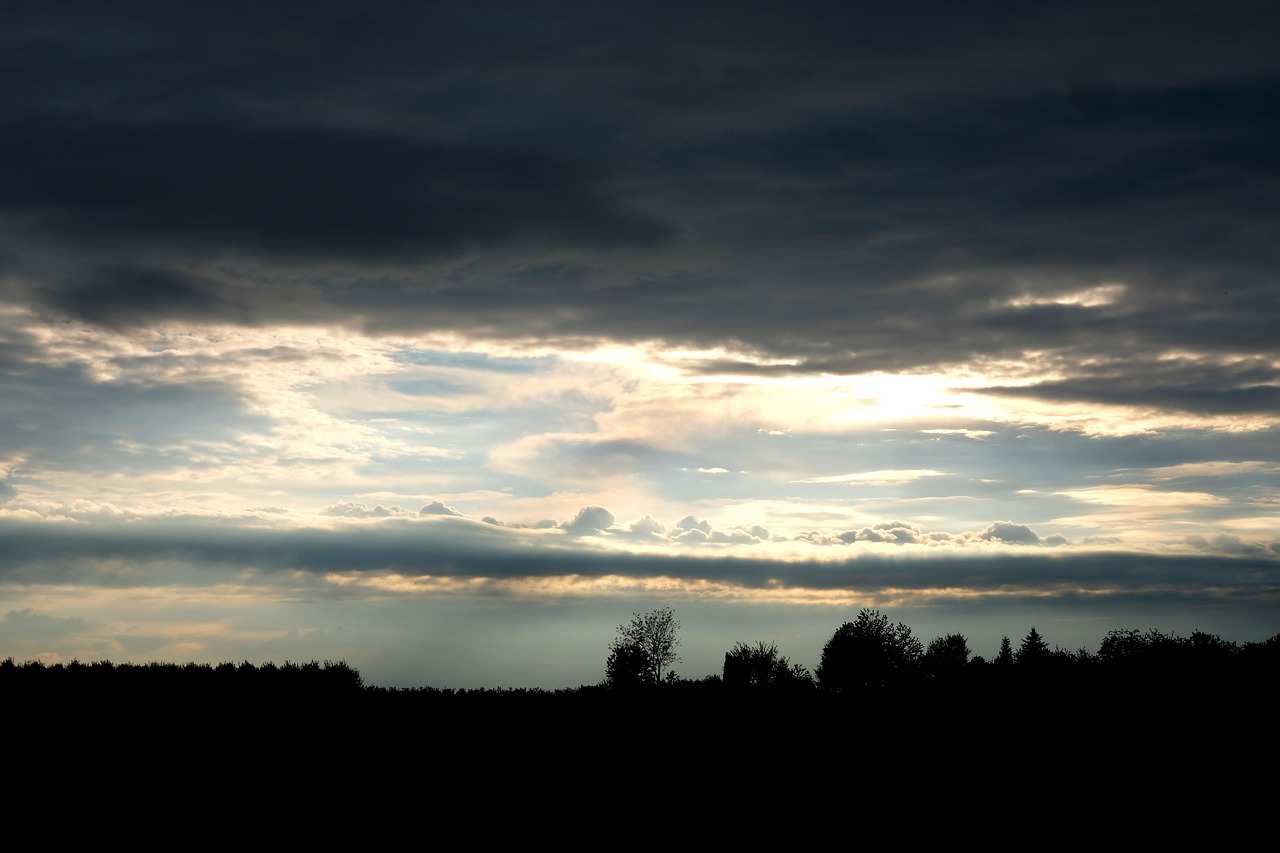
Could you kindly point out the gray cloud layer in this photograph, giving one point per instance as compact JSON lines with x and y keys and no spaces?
{"x":839,"y":188}
{"x":455,"y":547}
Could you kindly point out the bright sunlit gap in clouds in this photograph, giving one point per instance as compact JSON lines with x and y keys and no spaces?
{"x":373,"y":426}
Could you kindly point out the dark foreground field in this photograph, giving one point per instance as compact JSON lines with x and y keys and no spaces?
{"x":325,"y":713}
{"x":314,"y":757}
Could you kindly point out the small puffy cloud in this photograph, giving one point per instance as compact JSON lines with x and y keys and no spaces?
{"x":691,"y":523}
{"x":647,"y":527}
{"x":347,"y":509}
{"x":893,"y":532}
{"x":740,"y":535}
{"x":1010,"y":533}
{"x":817,"y":537}
{"x":590,"y":519}
{"x":438,"y":508}
{"x":713,"y":470}
{"x":692,"y":534}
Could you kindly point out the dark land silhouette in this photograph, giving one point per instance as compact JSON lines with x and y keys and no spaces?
{"x":885,"y":720}
{"x":870,"y":666}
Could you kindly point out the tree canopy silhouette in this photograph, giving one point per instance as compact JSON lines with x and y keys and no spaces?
{"x":946,"y":657}
{"x":644,"y":647}
{"x":869,"y":652}
{"x":627,"y":666}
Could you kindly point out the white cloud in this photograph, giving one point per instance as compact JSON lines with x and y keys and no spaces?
{"x":1091,"y":297}
{"x":590,"y":519}
{"x":878,"y":477}
{"x":1212,"y":469}
{"x":1143,"y":497}
{"x":976,"y":434}
{"x":347,"y":509}
{"x":691,"y":534}
{"x":648,"y":527}
{"x":1010,"y":532}
{"x":438,"y":508}
{"x":691,"y":523}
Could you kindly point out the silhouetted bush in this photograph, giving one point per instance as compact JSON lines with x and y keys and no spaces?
{"x":762,"y":667}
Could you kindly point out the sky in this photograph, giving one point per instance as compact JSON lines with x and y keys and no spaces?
{"x":440,"y":338}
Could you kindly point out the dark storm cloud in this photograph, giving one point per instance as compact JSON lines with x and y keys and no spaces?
{"x":842,"y":188}
{"x":1244,"y":387}
{"x":112,"y":295}
{"x":313,"y":193}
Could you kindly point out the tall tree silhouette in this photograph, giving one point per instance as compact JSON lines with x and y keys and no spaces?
{"x":1005,"y":656}
{"x":653,"y":633}
{"x":1034,"y":650}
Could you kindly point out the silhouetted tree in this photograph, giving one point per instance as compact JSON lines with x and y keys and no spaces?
{"x":655,"y":634}
{"x":946,"y":657}
{"x":869,"y":652}
{"x":762,"y":666}
{"x":1209,"y":651}
{"x":1125,"y":647}
{"x":1260,"y":662}
{"x":1034,"y":650}
{"x":1005,"y":655}
{"x":628,"y":666}
{"x":1153,"y":655}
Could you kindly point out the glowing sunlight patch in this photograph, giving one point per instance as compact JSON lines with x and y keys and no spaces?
{"x":1092,"y":297}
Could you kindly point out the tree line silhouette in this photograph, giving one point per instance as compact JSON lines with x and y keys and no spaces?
{"x":869,"y":656}
{"x":882,"y":717}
